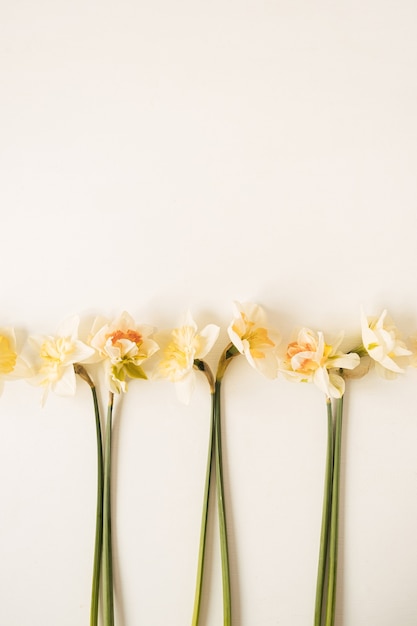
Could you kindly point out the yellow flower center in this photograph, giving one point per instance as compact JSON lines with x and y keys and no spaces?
{"x":181,"y":350}
{"x":7,"y":356}
{"x":256,"y":337}
{"x":55,"y":351}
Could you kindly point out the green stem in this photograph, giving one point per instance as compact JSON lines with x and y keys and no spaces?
{"x":99,"y":518}
{"x":334,"y":524}
{"x":204,"y":519}
{"x":325,"y":519}
{"x":227,"y":608}
{"x":108,"y":609}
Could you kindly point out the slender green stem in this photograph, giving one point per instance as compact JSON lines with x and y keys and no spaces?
{"x":325,"y":519}
{"x":108,"y":608}
{"x":204,"y":519}
{"x":334,"y":523}
{"x":227,"y":605}
{"x":98,"y":548}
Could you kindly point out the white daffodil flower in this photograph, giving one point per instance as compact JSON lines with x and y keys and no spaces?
{"x":249,"y":334}
{"x":381,"y":340}
{"x":185,"y":345}
{"x":310,"y":359}
{"x":123,"y":346}
{"x":53,"y":359}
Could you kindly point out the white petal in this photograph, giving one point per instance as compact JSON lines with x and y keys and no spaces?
{"x":66,"y":384}
{"x":81,"y":352}
{"x":235,"y":339}
{"x":208,"y":337}
{"x":189,"y":321}
{"x":267,"y":366}
{"x":337,"y":385}
{"x":345,"y":361}
{"x":69,"y":327}
{"x":185,"y":387}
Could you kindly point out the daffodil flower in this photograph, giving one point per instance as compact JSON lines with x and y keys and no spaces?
{"x":251,"y":337}
{"x":53,"y":359}
{"x":381,"y":340}
{"x":182,"y":354}
{"x":12,"y":365}
{"x":310,"y":359}
{"x":123,"y":346}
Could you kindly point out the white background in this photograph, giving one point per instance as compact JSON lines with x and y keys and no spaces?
{"x":159,"y":156}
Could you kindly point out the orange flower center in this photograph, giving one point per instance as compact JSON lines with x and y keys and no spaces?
{"x":131,"y":335}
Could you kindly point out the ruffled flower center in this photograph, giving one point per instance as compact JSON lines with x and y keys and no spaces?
{"x":7,"y":356}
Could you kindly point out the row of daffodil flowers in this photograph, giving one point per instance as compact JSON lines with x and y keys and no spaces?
{"x":122,"y":346}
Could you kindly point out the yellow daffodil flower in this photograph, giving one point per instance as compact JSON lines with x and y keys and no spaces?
{"x":250,"y":336}
{"x":184,"y":347}
{"x":123,"y":346}
{"x":53,"y":359}
{"x":381,"y":340}
{"x":310,"y":359}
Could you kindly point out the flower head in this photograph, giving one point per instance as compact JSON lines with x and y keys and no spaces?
{"x":310,"y":359}
{"x":381,"y":340}
{"x":123,"y":346}
{"x":53,"y":359}
{"x":249,"y":334}
{"x":185,"y":346}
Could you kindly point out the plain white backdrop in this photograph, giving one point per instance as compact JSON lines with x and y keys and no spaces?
{"x":162,"y":156}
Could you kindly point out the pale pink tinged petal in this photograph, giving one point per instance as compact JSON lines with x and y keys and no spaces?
{"x":208,"y":337}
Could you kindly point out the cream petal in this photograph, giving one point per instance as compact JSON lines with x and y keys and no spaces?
{"x":336,"y":385}
{"x":69,"y":327}
{"x":184,"y":388}
{"x":208,"y":337}
{"x":345,"y":361}
{"x":66,"y":383}
{"x":235,"y":339}
{"x":81,"y":352}
{"x":267,"y":366}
